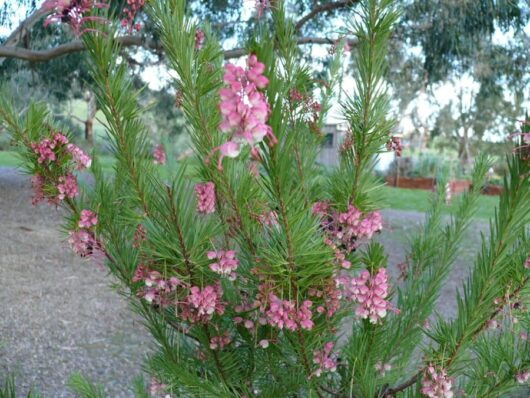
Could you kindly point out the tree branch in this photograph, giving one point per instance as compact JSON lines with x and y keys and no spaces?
{"x":321,"y":9}
{"x":125,"y":41}
{"x":18,"y":34}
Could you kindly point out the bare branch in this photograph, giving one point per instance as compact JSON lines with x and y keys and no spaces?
{"x":126,"y":41}
{"x":16,"y":36}
{"x":321,"y":9}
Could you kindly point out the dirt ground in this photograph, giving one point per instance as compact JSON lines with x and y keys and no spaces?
{"x":58,"y":314}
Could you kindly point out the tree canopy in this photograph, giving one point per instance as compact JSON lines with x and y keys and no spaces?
{"x":434,"y":42}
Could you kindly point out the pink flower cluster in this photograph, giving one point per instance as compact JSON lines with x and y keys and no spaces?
{"x":72,"y":12}
{"x":205,"y":197}
{"x":345,"y":229}
{"x":370,"y":292}
{"x":45,"y":150}
{"x":244,"y":109}
{"x":331,"y":296}
{"x":49,"y":150}
{"x":218,"y":342}
{"x":159,"y":154}
{"x":134,"y":6}
{"x":436,"y":383}
{"x":527,"y":263}
{"x":158,"y":290}
{"x":199,"y":39}
{"x":268,"y":219}
{"x":79,"y":156}
{"x":284,"y":314}
{"x":226,"y":263}
{"x":308,"y":105}
{"x":248,"y":323}
{"x":202,"y":304}
{"x":394,"y":144}
{"x":522,"y":377}
{"x":67,"y":187}
{"x":87,"y":219}
{"x":157,"y":387}
{"x":57,"y":150}
{"x":83,"y":241}
{"x":323,"y":359}
{"x":37,"y":183}
{"x":261,"y":7}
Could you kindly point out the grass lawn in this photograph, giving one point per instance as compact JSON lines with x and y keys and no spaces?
{"x":419,"y":200}
{"x":395,"y":198}
{"x":11,"y":159}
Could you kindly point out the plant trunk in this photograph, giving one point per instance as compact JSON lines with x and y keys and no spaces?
{"x":91,"y":115}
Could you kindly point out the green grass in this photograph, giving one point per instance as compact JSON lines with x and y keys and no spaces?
{"x":419,"y":200}
{"x":9,"y":159}
{"x":395,"y":198}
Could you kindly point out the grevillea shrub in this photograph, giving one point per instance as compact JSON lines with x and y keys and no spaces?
{"x":257,"y":274}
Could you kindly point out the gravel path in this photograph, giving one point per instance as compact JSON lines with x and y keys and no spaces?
{"x":58,"y":314}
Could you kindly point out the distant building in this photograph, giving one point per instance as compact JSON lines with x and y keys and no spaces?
{"x":333,"y":136}
{"x":329,"y":153}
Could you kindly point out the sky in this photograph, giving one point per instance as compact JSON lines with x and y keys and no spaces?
{"x":157,"y":77}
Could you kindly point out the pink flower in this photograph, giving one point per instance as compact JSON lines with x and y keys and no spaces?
{"x":296,"y":95}
{"x":226,"y":262}
{"x":343,"y":230}
{"x":79,"y":156}
{"x":230,"y":149}
{"x":82,"y":242}
{"x":67,"y":187}
{"x":269,"y":219}
{"x":158,"y":289}
{"x":199,"y":39}
{"x":283,"y":314}
{"x":395,"y":145}
{"x":140,"y":236}
{"x":261,"y":7}
{"x":527,"y":263}
{"x":264,"y":343}
{"x":436,"y":384}
{"x":156,"y":386}
{"x":88,"y":219}
{"x":371,"y":223}
{"x":159,"y":154}
{"x":134,"y":6}
{"x":205,"y":193}
{"x":370,"y":292}
{"x":202,"y":304}
{"x":218,"y":342}
{"x":321,"y":208}
{"x":244,"y":109}
{"x":324,"y":361}
{"x":331,"y":295}
{"x":305,"y":315}
{"x":45,"y":150}
{"x":522,"y":377}
{"x":37,"y":183}
{"x":72,"y":12}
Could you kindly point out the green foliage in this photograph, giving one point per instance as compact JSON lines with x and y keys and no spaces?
{"x":8,"y":389}
{"x":84,"y":388}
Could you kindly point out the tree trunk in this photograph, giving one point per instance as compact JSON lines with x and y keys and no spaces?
{"x":464,"y":153}
{"x":91,"y":115}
